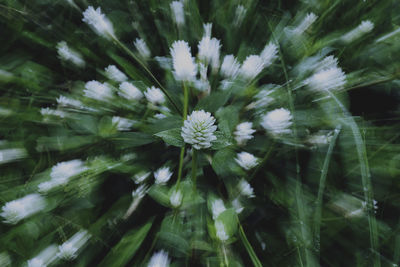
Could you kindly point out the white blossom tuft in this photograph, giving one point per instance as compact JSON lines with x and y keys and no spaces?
{"x":230,"y":67}
{"x":21,"y":208}
{"x":129,"y":91}
{"x":245,"y":188}
{"x":69,"y":102}
{"x":237,"y":205}
{"x":122,"y":124}
{"x":97,"y":90}
{"x":244,"y":132}
{"x":252,"y":66}
{"x":365,"y":27}
{"x":45,"y":258}
{"x":162,"y":175}
{"x":140,"y":192}
{"x":159,"y":259}
{"x":69,"y":249}
{"x":141,"y":176}
{"x":176,"y":198}
{"x":142,"y":48}
{"x":305,"y":23}
{"x":113,"y":73}
{"x":217,"y":207}
{"x":240,"y":14}
{"x":269,"y":54}
{"x":68,"y":54}
{"x":177,"y":10}
{"x":209,"y":48}
{"x":184,"y":67}
{"x":246,"y":160}
{"x":220,"y":231}
{"x":277,"y":121}
{"x":154,"y":95}
{"x":198,"y":129}
{"x":95,"y":19}
{"x":52,"y":112}
{"x":328,"y":79}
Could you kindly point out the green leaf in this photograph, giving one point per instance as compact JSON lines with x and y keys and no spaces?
{"x":223,"y":140}
{"x":229,"y":219}
{"x":172,"y":137}
{"x":127,"y":246}
{"x":224,"y":164}
{"x":159,"y":194}
{"x":133,"y":139}
{"x":214,"y":101}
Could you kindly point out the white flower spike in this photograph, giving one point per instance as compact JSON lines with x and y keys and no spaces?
{"x":21,"y":208}
{"x":95,"y":19}
{"x":113,"y":73}
{"x":331,"y":79}
{"x":305,"y":23}
{"x":230,"y":67}
{"x":129,"y":91}
{"x":252,"y":66}
{"x":246,"y":160}
{"x":67,"y":54}
{"x":159,"y":259}
{"x":177,"y":10}
{"x":244,"y":132}
{"x":220,"y":231}
{"x":154,"y":95}
{"x":69,"y":249}
{"x":162,"y":175}
{"x":176,"y":198}
{"x":245,"y":188}
{"x":365,"y":27}
{"x":142,"y":48}
{"x":269,"y":54}
{"x":184,"y":67}
{"x":98,"y":91}
{"x":209,"y":48}
{"x":198,"y":129}
{"x":277,"y":122}
{"x":217,"y":207}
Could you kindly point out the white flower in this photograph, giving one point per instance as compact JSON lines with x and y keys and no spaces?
{"x":329,"y":79}
{"x":67,"y":169}
{"x":198,"y":129}
{"x":217,"y":207}
{"x":69,"y":249}
{"x":129,"y":91}
{"x":44,"y":258}
{"x":277,"y":121}
{"x":365,"y":27}
{"x":230,"y":67}
{"x":252,"y":66}
{"x":142,"y":48}
{"x":184,"y":67}
{"x":246,"y":160}
{"x":269,"y":54}
{"x":67,"y":54}
{"x":245,"y":188}
{"x":177,"y":10}
{"x":176,"y":198}
{"x":320,"y":138}
{"x":209,"y":48}
{"x":140,"y":191}
{"x":160,"y":116}
{"x":237,"y":206}
{"x":113,"y":73}
{"x":122,"y":124}
{"x":162,"y":175}
{"x":154,"y":95}
{"x":95,"y":19}
{"x":305,"y":23}
{"x":65,"y":102}
{"x":52,"y":112}
{"x":97,"y":90}
{"x":244,"y":132}
{"x":21,"y":208}
{"x":327,"y":63}
{"x":220,"y":231}
{"x":141,"y":176}
{"x":164,"y":62}
{"x":262,"y":100}
{"x":159,"y":259}
{"x":11,"y":154}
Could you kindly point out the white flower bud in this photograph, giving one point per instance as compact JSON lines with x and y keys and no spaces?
{"x":246,"y":160}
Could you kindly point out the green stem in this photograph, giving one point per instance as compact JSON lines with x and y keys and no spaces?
{"x":129,"y":52}
{"x":365,"y":179}
{"x":185,"y":111}
{"x":194,"y":168}
{"x":249,"y":248}
{"x":322,"y":180}
{"x":263,"y":161}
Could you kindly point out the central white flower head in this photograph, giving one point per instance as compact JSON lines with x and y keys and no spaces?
{"x":97,"y":90}
{"x":162,"y":175}
{"x":98,"y":22}
{"x":251,"y":67}
{"x":176,"y":198}
{"x":244,"y":132}
{"x":328,"y":79}
{"x":230,"y":67}
{"x":159,"y":259}
{"x":277,"y":121}
{"x":129,"y":91}
{"x":154,"y":95}
{"x":198,"y":129}
{"x":246,"y":160}
{"x":184,"y":67}
{"x":21,"y":208}
{"x":217,"y":207}
{"x":113,"y":73}
{"x":142,"y":48}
